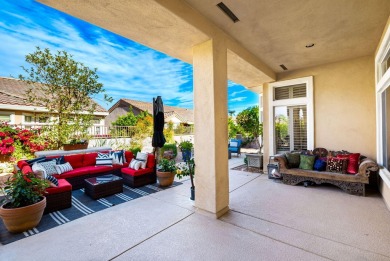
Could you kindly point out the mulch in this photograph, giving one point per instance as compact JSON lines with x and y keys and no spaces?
{"x":248,"y":169}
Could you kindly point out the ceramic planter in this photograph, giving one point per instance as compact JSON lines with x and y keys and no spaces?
{"x":75,"y":146}
{"x":186,"y":154}
{"x":17,"y":220}
{"x":165,"y":179}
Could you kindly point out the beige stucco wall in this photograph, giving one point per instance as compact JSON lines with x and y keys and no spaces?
{"x":344,"y":105}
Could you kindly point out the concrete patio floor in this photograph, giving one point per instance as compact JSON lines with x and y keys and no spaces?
{"x":267,"y":221}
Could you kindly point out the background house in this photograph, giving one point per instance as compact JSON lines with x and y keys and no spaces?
{"x":176,"y":115}
{"x":15,"y":109}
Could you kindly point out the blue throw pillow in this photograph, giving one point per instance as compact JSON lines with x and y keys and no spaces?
{"x":37,"y":160}
{"x":320,"y":165}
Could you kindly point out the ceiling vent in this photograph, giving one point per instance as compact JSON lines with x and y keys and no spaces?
{"x":283,"y":67}
{"x":228,"y":12}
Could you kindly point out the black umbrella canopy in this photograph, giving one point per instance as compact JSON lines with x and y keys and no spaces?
{"x":158,"y":123}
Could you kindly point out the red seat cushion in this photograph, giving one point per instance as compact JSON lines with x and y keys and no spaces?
{"x":76,"y":161}
{"x":117,"y":166}
{"x":74,"y":173}
{"x":63,"y":186}
{"x":134,"y":173}
{"x":89,"y":159}
{"x":99,"y":169}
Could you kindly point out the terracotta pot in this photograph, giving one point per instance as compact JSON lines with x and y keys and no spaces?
{"x":165,"y":179}
{"x":75,"y":146}
{"x":17,"y":220}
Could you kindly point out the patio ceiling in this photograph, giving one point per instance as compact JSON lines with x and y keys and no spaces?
{"x":269,"y":33}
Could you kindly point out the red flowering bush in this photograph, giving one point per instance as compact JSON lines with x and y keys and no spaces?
{"x":20,"y":143}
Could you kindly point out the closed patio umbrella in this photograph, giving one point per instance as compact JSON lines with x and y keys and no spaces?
{"x":158,"y":123}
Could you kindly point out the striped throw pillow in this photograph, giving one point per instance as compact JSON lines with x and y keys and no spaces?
{"x":49,"y":167}
{"x":53,"y":180}
{"x":135,"y":164}
{"x":118,"y":157}
{"x":103,"y":159}
{"x":142,"y":157}
{"x":63,"y":168}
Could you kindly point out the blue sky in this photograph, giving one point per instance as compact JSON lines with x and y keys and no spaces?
{"x":127,"y":69}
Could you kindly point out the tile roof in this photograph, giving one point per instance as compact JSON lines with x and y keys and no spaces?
{"x":183,"y":114}
{"x":13,"y":91}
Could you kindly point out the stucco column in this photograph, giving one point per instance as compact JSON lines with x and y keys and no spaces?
{"x":211,"y":136}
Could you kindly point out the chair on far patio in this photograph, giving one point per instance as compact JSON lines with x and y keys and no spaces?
{"x":235,"y":146}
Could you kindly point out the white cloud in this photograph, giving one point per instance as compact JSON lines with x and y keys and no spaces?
{"x":238,"y":99}
{"x":235,"y":93}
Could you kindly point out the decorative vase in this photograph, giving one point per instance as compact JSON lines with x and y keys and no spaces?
{"x":186,"y":155}
{"x":165,"y":179}
{"x":17,"y":220}
{"x":75,"y":146}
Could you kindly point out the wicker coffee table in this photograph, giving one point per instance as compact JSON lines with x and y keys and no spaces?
{"x":98,"y":189}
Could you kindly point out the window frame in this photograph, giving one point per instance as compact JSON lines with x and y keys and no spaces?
{"x":11,"y":116}
{"x":382,"y":80}
{"x":308,"y":101}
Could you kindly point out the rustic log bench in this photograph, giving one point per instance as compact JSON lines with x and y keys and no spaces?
{"x":350,"y":183}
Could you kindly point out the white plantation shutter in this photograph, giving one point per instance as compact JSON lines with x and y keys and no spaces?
{"x":299,"y":128}
{"x":290,"y":92}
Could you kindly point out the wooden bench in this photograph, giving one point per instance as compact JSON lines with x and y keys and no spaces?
{"x":350,"y":183}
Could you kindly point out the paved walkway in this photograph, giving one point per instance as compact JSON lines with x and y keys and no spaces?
{"x":267,"y":221}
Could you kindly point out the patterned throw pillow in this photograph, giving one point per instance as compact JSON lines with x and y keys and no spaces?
{"x":36,"y":160}
{"x":320,"y":164}
{"x":118,"y":157}
{"x":63,"y":168}
{"x":135,"y":164}
{"x":49,"y":167}
{"x":38,"y":170}
{"x":293,"y":159}
{"x":103,"y":159}
{"x":336,"y":165}
{"x":353,"y":162}
{"x":142,"y":157}
{"x":307,"y":162}
{"x":53,"y":180}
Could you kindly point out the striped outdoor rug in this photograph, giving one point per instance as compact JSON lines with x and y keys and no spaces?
{"x":82,"y":205}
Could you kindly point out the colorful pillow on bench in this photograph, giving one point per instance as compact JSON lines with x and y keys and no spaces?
{"x":353,"y":162}
{"x":337,"y":165}
{"x":293,"y":159}
{"x":320,"y":164}
{"x":307,"y":162}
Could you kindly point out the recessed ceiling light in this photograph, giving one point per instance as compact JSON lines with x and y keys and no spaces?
{"x":309,"y":45}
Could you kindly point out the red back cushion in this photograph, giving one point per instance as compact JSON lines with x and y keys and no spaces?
{"x":129,"y":156}
{"x":90,"y":159}
{"x":76,"y":161}
{"x":26,"y":169}
{"x":21,"y":164}
{"x":150,"y":162}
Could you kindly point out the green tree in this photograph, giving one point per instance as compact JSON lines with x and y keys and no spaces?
{"x":65,"y":87}
{"x":233,"y":128}
{"x":249,"y":121}
{"x":126,"y":120}
{"x":169,"y":133}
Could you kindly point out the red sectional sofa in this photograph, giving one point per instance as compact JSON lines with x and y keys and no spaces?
{"x":84,"y":166}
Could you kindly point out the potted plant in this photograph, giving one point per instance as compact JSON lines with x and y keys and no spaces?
{"x":185,"y":147}
{"x":76,"y":144}
{"x":166,"y":172}
{"x":24,"y":203}
{"x":184,"y":169}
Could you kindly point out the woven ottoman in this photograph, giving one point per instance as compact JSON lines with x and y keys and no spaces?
{"x":58,"y":198}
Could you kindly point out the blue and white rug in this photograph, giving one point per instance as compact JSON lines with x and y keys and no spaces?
{"x":82,"y":205}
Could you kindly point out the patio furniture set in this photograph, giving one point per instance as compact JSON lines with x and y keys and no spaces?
{"x":84,"y":173}
{"x":348,"y":171}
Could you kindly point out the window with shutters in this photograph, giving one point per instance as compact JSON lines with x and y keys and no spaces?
{"x":6,"y":116}
{"x":291,"y":115}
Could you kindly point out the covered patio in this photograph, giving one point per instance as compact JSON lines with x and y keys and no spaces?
{"x":267,"y":221}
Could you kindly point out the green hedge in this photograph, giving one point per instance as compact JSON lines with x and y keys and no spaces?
{"x":169,"y":146}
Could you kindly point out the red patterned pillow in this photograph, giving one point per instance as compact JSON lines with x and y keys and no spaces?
{"x":337,"y":165}
{"x":353,"y":162}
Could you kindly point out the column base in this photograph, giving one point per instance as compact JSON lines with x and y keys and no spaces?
{"x":212,"y":215}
